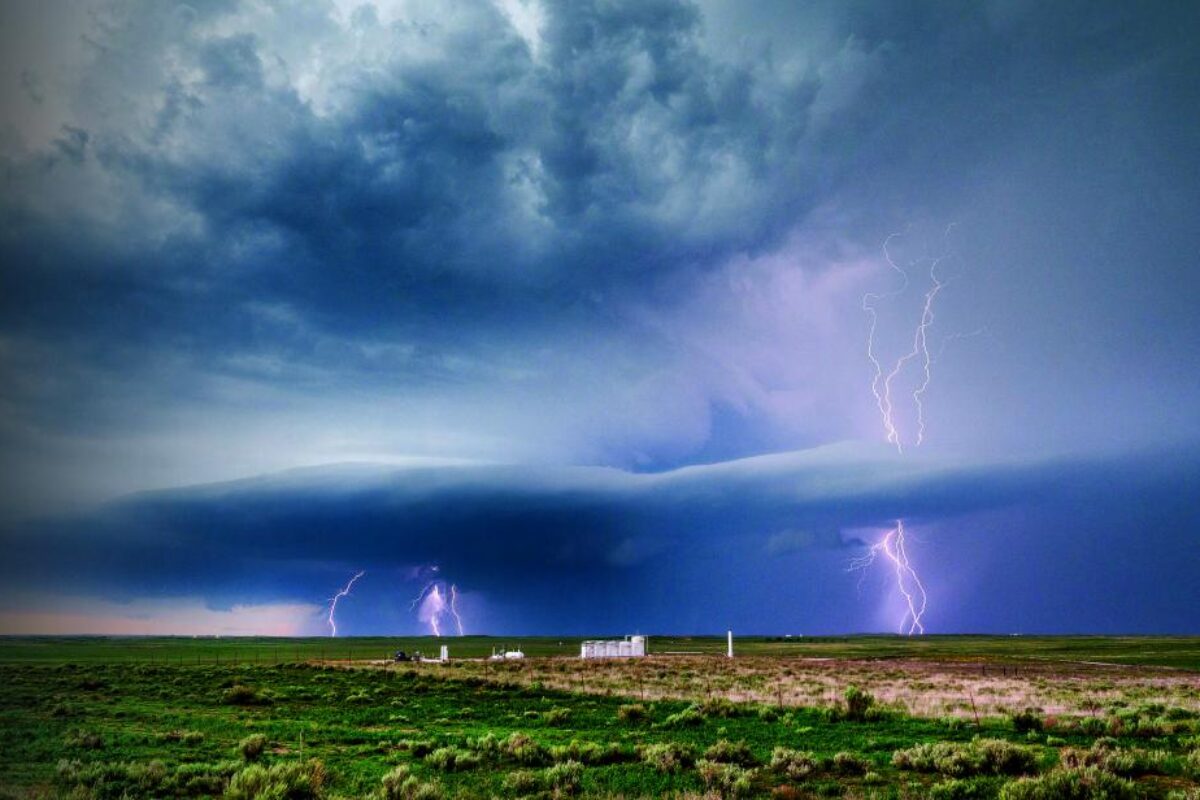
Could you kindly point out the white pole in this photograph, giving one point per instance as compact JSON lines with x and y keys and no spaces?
{"x":729,"y":649}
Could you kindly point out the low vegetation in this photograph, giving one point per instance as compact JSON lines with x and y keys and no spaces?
{"x":316,"y":731}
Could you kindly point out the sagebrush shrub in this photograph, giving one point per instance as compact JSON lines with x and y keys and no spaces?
{"x":1028,"y":720}
{"x":556,"y":717}
{"x":668,"y":756}
{"x":452,"y":759}
{"x":523,"y":749}
{"x":401,"y":784}
{"x":794,"y":764}
{"x":858,"y":703}
{"x":849,"y":764}
{"x":522,"y":782}
{"x":1088,"y":783}
{"x":727,"y":752}
{"x":960,"y":789}
{"x":959,"y":760}
{"x":240,"y":695}
{"x":727,"y":780}
{"x":252,"y":746}
{"x":565,"y":778}
{"x":288,"y":781}
{"x":632,"y":713}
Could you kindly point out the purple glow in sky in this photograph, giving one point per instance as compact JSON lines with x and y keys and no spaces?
{"x":572,"y":295}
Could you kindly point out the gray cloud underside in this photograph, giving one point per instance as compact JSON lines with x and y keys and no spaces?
{"x":490,"y":525}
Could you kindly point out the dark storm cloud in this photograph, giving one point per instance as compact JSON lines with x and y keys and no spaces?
{"x":302,"y":202}
{"x":240,"y":237}
{"x":514,"y":532}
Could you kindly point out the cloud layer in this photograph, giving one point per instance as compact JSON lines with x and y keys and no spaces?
{"x":618,"y":549}
{"x":240,"y":238}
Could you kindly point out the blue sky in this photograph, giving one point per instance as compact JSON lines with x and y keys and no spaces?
{"x":566,"y":300}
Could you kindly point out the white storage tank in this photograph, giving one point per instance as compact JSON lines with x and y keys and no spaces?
{"x":629,"y":647}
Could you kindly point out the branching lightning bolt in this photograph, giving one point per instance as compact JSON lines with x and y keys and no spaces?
{"x":893,"y":547}
{"x":435,"y":600}
{"x":333,"y":602}
{"x":918,"y":352}
{"x":883,"y":398}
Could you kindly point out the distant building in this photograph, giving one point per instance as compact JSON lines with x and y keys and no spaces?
{"x":629,"y":647}
{"x":506,"y":655}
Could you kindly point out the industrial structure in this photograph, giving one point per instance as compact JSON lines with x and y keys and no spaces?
{"x":629,"y":647}
{"x":501,"y":654}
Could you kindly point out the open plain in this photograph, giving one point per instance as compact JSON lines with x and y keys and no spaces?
{"x":852,"y":717}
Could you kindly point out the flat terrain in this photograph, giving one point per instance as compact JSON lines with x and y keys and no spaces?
{"x":880,"y":717}
{"x":1163,"y":651}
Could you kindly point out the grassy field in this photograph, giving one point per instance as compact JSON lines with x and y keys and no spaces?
{"x":1163,"y":651}
{"x":142,"y":718}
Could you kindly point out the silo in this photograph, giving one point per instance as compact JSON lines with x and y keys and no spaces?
{"x":638,"y":645}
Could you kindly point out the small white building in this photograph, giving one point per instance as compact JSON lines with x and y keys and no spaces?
{"x":507,"y":655}
{"x":629,"y":647}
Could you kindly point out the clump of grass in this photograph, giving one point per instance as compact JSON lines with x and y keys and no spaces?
{"x":241,"y":695}
{"x":1028,"y":720}
{"x":794,"y":764}
{"x":523,"y":749}
{"x":632,"y":713}
{"x":958,"y":760}
{"x":589,"y":753}
{"x":689,"y":717}
{"x":85,"y":740}
{"x":418,"y":747}
{"x":522,"y":782}
{"x":727,"y":752}
{"x":960,"y":789}
{"x":252,"y":746}
{"x":1191,"y":763}
{"x":183,"y":737}
{"x":290,"y":781}
{"x":452,"y":759}
{"x":727,"y":780}
{"x":846,"y":763}
{"x":565,"y":778}
{"x":1129,"y":763}
{"x":668,"y":756}
{"x":557,"y":717}
{"x":61,"y":710}
{"x":401,"y":784}
{"x":1088,"y":783}
{"x":858,"y":703}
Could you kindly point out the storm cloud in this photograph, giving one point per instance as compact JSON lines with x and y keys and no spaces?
{"x":565,"y":273}
{"x":519,"y":535}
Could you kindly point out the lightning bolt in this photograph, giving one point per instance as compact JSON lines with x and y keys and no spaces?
{"x":333,"y":602}
{"x":436,"y":596}
{"x":436,"y":600}
{"x":893,"y":547}
{"x":421,"y":595}
{"x":458,"y":623}
{"x":883,"y":399}
{"x":919,"y":352}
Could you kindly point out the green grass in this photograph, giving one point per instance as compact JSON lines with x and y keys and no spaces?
{"x":1178,"y":652}
{"x":107,"y":709}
